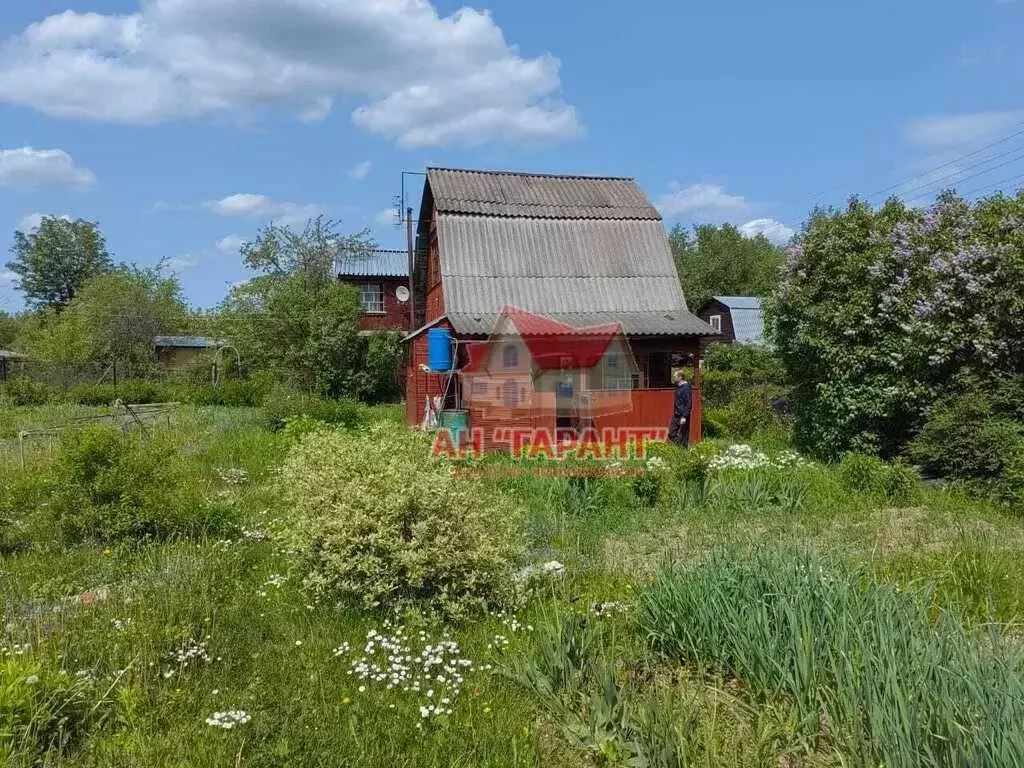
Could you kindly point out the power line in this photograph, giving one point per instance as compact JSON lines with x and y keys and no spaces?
{"x":934,"y":184}
{"x":1019,"y":178}
{"x":955,"y":160}
{"x":976,"y":175}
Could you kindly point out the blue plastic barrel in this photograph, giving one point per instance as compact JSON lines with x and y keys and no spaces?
{"x":439,"y":349}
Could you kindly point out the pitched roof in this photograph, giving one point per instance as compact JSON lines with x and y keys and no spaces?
{"x":581,"y":250}
{"x":747,"y":318}
{"x":376,"y":263}
{"x":501,"y":193}
{"x":740,"y":302}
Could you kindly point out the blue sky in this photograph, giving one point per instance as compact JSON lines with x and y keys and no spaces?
{"x":181,"y":126}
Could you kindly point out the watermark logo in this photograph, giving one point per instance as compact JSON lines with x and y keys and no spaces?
{"x":538,"y":387}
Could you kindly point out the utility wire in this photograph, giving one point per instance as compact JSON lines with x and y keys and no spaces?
{"x":955,"y":160}
{"x":976,"y":175}
{"x":951,"y":178}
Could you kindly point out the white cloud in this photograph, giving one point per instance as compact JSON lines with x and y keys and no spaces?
{"x":230,"y":243}
{"x":31,"y":221}
{"x":7,"y":277}
{"x":958,"y":131}
{"x":386,"y":216}
{"x":28,"y":167}
{"x":255,"y":206}
{"x":424,"y":79}
{"x":701,"y":202}
{"x":360,"y":171}
{"x":179,"y":263}
{"x":774,"y":230}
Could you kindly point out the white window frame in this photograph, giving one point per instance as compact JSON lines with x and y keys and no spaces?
{"x":715,"y":321}
{"x":371,"y":298}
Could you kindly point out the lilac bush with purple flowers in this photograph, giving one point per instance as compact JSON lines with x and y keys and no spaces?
{"x":880,"y":311}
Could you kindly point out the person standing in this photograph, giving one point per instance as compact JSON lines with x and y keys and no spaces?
{"x":679,"y":429}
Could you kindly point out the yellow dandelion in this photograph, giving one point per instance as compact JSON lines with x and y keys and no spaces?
{"x":346,"y":700}
{"x":487,"y":710}
{"x":107,"y":552}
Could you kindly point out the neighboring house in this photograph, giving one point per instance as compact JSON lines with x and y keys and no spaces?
{"x":179,"y":352}
{"x":382,"y":278}
{"x":580,"y":251}
{"x":735,"y":318}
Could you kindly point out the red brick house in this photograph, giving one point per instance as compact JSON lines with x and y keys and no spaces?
{"x":382,"y":278}
{"x":581,"y":251}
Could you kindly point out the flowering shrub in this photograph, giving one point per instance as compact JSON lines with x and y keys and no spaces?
{"x":878,"y":310}
{"x":376,"y":521}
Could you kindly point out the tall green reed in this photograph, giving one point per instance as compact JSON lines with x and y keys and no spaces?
{"x":882,"y":677}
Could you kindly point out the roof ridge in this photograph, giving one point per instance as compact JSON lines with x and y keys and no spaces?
{"x":531,"y":173}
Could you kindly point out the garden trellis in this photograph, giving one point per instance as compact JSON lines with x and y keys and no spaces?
{"x":123,"y":416}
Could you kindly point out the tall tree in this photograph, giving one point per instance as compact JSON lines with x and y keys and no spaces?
{"x":53,"y":261}
{"x":296,"y":318}
{"x":719,"y":260}
{"x":114,"y":316}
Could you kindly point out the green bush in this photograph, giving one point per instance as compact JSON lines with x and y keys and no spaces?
{"x":377,"y":522}
{"x":897,"y":482}
{"x":730,"y":368}
{"x":750,"y":412}
{"x":718,"y":387}
{"x":967,"y":438}
{"x":713,"y":424}
{"x":22,"y":495}
{"x":112,"y":486}
{"x":894,"y":681}
{"x":283,"y":404}
{"x":24,"y":391}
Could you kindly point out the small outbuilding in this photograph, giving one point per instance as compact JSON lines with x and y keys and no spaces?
{"x":181,"y":352}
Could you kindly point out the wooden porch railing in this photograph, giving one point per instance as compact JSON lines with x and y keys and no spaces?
{"x":651,"y":408}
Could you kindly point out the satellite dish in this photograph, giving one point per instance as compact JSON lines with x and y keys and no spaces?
{"x":402,"y":293}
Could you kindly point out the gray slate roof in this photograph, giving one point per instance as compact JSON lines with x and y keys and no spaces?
{"x":192,"y":342}
{"x":581,"y":250}
{"x":378,"y":263}
{"x":747,"y":318}
{"x":500,"y":193}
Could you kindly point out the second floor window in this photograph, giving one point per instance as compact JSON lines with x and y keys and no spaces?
{"x":715,"y":321}
{"x":371,"y":297}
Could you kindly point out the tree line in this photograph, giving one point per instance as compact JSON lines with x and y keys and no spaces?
{"x":292,"y":318}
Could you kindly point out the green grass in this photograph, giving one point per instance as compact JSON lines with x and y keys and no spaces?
{"x":583,"y":687}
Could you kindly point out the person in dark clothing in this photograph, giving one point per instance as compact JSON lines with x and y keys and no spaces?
{"x":679,"y":429}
